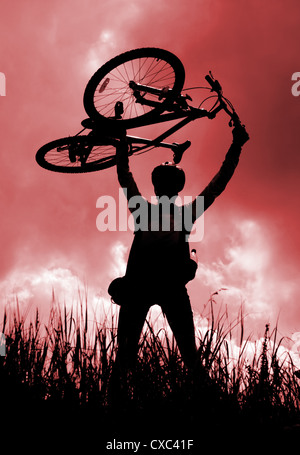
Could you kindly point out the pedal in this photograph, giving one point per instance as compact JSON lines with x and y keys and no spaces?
{"x":178,"y":150}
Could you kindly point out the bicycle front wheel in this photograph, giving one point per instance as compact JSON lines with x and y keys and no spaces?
{"x":77,"y":154}
{"x":114,"y":85}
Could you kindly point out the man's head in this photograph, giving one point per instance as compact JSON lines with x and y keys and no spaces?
{"x":168,"y":179}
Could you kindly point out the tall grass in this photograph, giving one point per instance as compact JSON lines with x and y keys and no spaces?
{"x":68,"y":362}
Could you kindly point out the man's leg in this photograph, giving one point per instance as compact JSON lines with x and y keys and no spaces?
{"x":178,"y":311}
{"x":131,"y":320}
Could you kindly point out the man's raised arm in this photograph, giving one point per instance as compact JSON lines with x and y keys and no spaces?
{"x":125,"y":177}
{"x":220,"y":180}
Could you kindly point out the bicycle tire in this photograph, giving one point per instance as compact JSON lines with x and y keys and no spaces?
{"x":102,"y":154}
{"x":110,"y":84}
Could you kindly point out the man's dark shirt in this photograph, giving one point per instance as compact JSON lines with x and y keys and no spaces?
{"x":158,"y":257}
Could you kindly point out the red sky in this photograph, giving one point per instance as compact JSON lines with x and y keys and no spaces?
{"x":49,"y":238}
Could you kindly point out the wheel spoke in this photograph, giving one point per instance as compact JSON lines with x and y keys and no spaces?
{"x":150,"y":71}
{"x":58,"y":157}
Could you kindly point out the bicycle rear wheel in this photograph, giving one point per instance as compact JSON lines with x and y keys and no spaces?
{"x":113,"y":84}
{"x":77,"y":154}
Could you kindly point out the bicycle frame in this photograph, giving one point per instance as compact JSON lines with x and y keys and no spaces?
{"x":106,"y":132}
{"x":176,"y":112}
{"x":178,"y":149}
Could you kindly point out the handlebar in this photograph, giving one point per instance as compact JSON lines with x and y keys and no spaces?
{"x":223,"y":102}
{"x":215,"y":85}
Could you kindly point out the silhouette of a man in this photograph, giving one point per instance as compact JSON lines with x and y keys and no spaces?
{"x":157,"y":268}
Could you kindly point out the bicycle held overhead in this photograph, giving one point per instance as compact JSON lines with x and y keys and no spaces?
{"x":137,"y":88}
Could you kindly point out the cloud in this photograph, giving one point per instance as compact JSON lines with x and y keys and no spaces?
{"x":48,"y":229}
{"x":44,"y":287}
{"x":100,"y":52}
{"x":40,"y":287}
{"x":248,"y":275}
{"x":118,"y":252}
